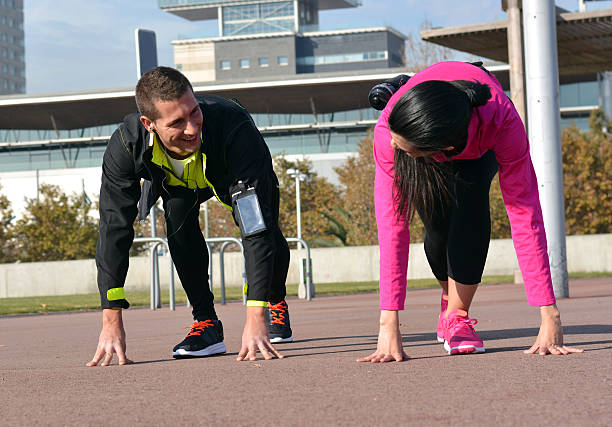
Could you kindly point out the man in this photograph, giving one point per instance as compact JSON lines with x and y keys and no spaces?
{"x":188,"y":151}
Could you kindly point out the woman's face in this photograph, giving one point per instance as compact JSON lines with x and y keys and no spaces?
{"x":401,"y":143}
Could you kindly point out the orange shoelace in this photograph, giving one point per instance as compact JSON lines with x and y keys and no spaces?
{"x":198,"y":327}
{"x":277,"y":312}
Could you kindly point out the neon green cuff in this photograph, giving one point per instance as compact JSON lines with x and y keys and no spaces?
{"x":245,"y":288}
{"x":115,"y":294}
{"x":255,"y":303}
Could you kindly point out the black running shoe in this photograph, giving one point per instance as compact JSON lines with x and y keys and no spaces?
{"x":204,"y":339}
{"x":277,"y":316}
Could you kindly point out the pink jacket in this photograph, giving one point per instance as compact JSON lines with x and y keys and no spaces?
{"x":494,"y":126}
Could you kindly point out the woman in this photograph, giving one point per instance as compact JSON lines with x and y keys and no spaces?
{"x":437,"y":145}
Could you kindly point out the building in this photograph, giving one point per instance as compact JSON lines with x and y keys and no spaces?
{"x":317,"y":112}
{"x":278,"y":38}
{"x":12,"y":51}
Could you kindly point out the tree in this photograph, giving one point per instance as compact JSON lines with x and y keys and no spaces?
{"x":7,"y":241}
{"x":56,"y":227}
{"x":356,"y":175}
{"x":500,"y":226}
{"x":357,"y":178}
{"x":318,"y":199}
{"x":587,"y":174}
{"x":421,"y":54}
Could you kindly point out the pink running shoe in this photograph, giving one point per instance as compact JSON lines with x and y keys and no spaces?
{"x":441,"y":320}
{"x":460,"y":334}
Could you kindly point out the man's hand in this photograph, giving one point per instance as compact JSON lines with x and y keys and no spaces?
{"x":256,"y":337}
{"x":550,"y":337}
{"x":112,"y":339}
{"x":389,"y":346}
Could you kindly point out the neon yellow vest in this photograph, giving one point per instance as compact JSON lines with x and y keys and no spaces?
{"x":193,"y":174}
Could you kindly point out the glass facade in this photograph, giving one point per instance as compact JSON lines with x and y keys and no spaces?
{"x":579,"y":94}
{"x":90,"y":154}
{"x":258,"y":18}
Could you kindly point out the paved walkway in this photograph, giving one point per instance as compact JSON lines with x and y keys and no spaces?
{"x":43,"y":379}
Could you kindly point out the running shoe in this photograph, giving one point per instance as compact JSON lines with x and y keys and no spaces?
{"x":441,"y":326}
{"x":277,"y":317}
{"x":205,"y":338}
{"x":460,"y":334}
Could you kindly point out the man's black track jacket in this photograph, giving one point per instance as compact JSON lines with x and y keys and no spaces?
{"x":234,"y":149}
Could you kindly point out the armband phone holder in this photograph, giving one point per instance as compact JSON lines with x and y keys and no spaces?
{"x":248,"y":212}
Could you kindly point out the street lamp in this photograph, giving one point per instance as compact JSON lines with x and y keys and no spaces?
{"x":299,"y":176}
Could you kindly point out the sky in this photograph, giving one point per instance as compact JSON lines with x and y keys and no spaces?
{"x":73,"y":45}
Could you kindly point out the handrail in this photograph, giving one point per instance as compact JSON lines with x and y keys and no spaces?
{"x":309,"y":286}
{"x":155,"y":283}
{"x":226,"y":241}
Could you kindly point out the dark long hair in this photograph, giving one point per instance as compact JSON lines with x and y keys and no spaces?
{"x":432,"y":116}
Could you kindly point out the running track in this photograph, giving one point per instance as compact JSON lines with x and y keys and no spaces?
{"x":43,"y":380}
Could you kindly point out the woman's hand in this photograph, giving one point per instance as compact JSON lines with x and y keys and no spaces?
{"x":550,"y":337}
{"x":389,"y":346}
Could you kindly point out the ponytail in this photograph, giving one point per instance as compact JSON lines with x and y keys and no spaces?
{"x":477,"y":93}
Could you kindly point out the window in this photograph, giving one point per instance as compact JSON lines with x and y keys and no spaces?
{"x":263,"y":62}
{"x":226,"y":65}
{"x":283,"y":60}
{"x":244,"y":63}
{"x":338,"y":59}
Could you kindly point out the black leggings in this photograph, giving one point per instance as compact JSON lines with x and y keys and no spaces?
{"x":457,"y":237}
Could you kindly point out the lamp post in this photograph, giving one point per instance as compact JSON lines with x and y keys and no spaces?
{"x":299,"y":176}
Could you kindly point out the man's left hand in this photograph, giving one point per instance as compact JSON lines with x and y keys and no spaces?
{"x":256,"y":337}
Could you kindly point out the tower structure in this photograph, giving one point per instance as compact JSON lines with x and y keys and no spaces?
{"x":263,"y":38}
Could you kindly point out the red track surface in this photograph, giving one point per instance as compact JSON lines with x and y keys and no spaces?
{"x":43,"y":378}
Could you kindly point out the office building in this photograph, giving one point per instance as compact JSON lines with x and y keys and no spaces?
{"x":12,"y":50}
{"x":278,"y":38}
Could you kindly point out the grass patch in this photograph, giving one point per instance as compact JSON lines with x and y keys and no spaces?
{"x":47,"y":304}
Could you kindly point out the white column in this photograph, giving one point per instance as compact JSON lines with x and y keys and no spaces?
{"x":542,"y":78}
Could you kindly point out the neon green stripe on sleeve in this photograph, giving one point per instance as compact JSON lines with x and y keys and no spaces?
{"x":255,"y":303}
{"x":115,"y":294}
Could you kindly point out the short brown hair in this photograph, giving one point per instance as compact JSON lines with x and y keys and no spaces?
{"x":159,"y":84}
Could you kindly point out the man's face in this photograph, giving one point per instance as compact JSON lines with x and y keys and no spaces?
{"x":178,"y":125}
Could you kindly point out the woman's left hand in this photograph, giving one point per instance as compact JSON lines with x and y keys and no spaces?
{"x":550,"y":337}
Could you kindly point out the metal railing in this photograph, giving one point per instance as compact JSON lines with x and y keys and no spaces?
{"x":308,"y":284}
{"x":155,"y":293}
{"x":155,"y":283}
{"x":226,"y":241}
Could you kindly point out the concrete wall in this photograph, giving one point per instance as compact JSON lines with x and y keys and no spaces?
{"x":350,"y":264}
{"x":196,"y":61}
{"x":272,"y":47}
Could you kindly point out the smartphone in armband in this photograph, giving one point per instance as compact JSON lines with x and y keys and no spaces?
{"x":249,"y":216}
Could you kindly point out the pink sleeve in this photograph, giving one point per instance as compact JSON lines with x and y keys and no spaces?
{"x":519,"y":188}
{"x":393,"y":236}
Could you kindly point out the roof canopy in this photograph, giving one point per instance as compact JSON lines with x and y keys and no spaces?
{"x":319,"y":93}
{"x":584,"y":41}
